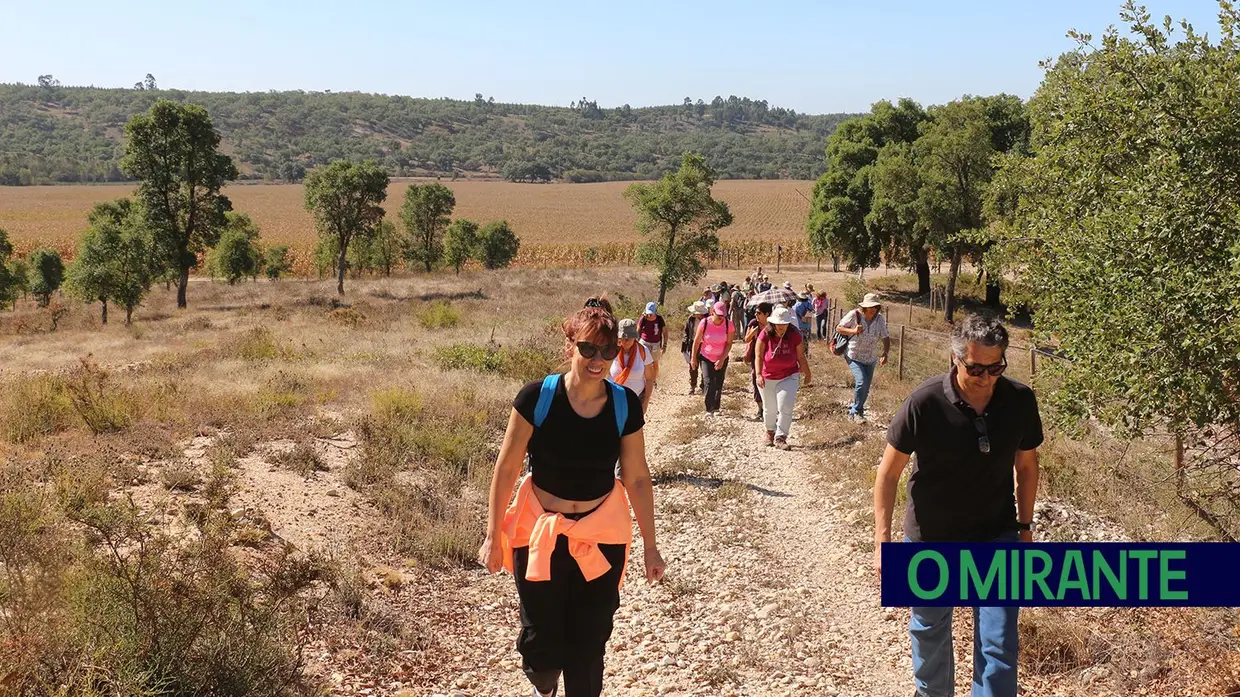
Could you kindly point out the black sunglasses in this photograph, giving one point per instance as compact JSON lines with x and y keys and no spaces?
{"x":589,"y":350}
{"x":983,"y":436}
{"x":977,"y":370}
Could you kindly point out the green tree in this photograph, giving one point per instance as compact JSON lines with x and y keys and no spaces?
{"x":173,"y":151}
{"x":277,"y":262}
{"x":837,"y":223}
{"x":113,"y":259}
{"x":954,"y":161}
{"x":380,"y":251}
{"x":47,"y":272}
{"x":497,"y":245}
{"x":237,"y":255}
{"x":426,"y":213}
{"x":679,"y":219}
{"x":346,"y":199}
{"x":10,"y":284}
{"x":460,"y":243}
{"x":1128,"y":215}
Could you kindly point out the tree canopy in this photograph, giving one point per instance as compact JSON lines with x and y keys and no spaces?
{"x":679,"y":218}
{"x":346,"y":199}
{"x":173,"y":152}
{"x":113,"y":262}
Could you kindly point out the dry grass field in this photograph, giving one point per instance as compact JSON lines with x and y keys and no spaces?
{"x":557,"y":223}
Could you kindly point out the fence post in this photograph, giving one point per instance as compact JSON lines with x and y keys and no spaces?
{"x":1033,"y":361}
{"x":900,"y":355}
{"x":910,"y":310}
{"x":779,"y":256}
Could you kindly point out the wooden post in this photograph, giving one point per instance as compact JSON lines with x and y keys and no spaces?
{"x":1033,"y":361}
{"x":900,"y":355}
{"x":910,"y":311}
{"x":779,"y":256}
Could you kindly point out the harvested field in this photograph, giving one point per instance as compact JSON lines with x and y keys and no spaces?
{"x":558,"y":223}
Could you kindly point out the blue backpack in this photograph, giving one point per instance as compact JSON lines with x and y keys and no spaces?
{"x":547,"y":393}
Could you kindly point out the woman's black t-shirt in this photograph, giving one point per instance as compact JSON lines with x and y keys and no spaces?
{"x":573,"y":457}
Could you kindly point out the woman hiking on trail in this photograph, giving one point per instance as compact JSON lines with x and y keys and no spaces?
{"x":566,"y":535}
{"x":756,"y":326}
{"x":634,"y":366}
{"x":697,"y":313}
{"x":711,"y":346}
{"x":782,"y":370}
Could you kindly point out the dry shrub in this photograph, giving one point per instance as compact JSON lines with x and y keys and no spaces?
{"x":103,"y":407}
{"x":432,"y":522}
{"x":407,"y":429}
{"x":302,"y":459}
{"x":34,"y":406}
{"x":525,"y":363}
{"x":258,"y":344}
{"x":126,"y":609}
{"x":1052,"y":642}
{"x":439,"y":315}
{"x":346,"y":317}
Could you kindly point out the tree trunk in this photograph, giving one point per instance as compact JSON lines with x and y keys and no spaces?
{"x":993,"y":289}
{"x":835,"y":263}
{"x":128,"y":315}
{"x":923,"y":271}
{"x":182,"y":286}
{"x":342,"y":265}
{"x":105,"y":309}
{"x":949,"y":307}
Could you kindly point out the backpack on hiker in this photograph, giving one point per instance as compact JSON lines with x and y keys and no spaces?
{"x":552,"y":382}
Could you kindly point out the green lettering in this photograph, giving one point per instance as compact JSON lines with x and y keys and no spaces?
{"x":1143,"y":574}
{"x":1014,"y":593}
{"x":1103,"y":568}
{"x":1165,"y":574}
{"x":912,"y":574}
{"x":969,"y":576}
{"x":1074,"y":565}
{"x":1038,"y":576}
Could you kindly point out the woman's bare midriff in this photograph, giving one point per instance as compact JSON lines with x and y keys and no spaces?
{"x":555,"y":504}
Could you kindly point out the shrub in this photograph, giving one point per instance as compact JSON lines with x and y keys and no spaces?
{"x":47,"y":271}
{"x":277,"y":262}
{"x":258,"y":344}
{"x":854,"y":291}
{"x":236,"y":255}
{"x":102,"y":407}
{"x":33,"y":406}
{"x":439,"y":315}
{"x":431,"y":522}
{"x":497,"y":245}
{"x":525,"y":363}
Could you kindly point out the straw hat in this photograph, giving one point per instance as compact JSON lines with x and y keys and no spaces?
{"x":870,"y":300}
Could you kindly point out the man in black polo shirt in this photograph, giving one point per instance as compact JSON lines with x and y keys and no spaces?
{"x":969,"y":428}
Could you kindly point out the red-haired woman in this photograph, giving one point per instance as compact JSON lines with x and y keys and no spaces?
{"x":566,"y":536}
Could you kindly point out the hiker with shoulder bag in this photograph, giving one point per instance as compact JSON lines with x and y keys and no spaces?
{"x":756,"y":326}
{"x":856,"y":338}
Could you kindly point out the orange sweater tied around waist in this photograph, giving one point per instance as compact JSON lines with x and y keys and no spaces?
{"x":526,"y":524}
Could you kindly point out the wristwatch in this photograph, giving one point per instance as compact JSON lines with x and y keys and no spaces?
{"x":1024,"y":526}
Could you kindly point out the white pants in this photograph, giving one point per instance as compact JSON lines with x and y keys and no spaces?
{"x":778,"y":399}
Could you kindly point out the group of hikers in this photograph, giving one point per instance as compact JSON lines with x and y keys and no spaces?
{"x":578,"y":438}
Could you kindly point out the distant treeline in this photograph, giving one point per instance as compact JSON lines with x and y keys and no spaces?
{"x":50,"y":133}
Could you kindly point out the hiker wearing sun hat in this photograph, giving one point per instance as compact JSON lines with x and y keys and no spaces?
{"x":697,"y":313}
{"x":866,"y":326}
{"x":781,"y":369}
{"x":711,"y":347}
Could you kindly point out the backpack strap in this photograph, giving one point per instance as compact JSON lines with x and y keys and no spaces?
{"x":620,"y":402}
{"x":545,"y":396}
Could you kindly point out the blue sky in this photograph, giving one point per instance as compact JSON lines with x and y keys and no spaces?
{"x":810,"y":56}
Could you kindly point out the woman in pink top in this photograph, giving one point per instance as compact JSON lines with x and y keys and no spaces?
{"x":780,"y":356}
{"x":710,"y":349}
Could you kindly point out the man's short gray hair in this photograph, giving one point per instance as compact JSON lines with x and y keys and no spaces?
{"x":978,"y":329}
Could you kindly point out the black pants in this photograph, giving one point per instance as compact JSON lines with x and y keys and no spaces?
{"x":753,"y":380}
{"x":822,"y":325}
{"x":714,"y":382}
{"x":566,"y":622}
{"x":694,"y":379}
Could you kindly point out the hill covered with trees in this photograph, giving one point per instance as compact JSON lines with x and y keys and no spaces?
{"x":50,"y":133}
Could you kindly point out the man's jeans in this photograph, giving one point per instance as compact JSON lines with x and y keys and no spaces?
{"x":863,"y":377}
{"x":995,"y":646}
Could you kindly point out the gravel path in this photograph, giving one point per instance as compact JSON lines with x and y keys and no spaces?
{"x":769,"y":588}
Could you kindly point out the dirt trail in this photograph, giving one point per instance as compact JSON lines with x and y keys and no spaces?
{"x":769,"y":587}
